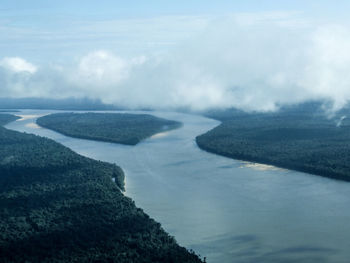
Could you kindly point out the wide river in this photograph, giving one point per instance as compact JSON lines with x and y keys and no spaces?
{"x":224,"y":209}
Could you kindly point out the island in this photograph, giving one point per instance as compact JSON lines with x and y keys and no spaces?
{"x":58,"y":206}
{"x":121,"y":128}
{"x":302,"y":138}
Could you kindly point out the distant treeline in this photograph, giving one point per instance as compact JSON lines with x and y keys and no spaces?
{"x":301,"y":138}
{"x":58,"y":206}
{"x":110,"y":127}
{"x":55,"y":104}
{"x":8,"y":111}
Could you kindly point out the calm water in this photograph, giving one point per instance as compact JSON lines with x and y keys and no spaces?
{"x":221,"y":208}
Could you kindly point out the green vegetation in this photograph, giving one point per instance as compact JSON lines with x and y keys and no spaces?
{"x":58,"y":206}
{"x":6,"y":118}
{"x":302,"y":139}
{"x":54,"y":104}
{"x":110,"y":127}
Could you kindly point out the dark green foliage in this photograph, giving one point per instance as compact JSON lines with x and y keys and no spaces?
{"x":55,"y":104}
{"x":6,"y":118}
{"x":5,"y":111}
{"x":307,"y":109}
{"x":111,"y":127}
{"x":58,"y":206}
{"x":304,"y":140}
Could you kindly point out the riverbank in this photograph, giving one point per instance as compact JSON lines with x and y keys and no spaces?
{"x":309,"y":144}
{"x":58,"y":206}
{"x":218,"y":208}
{"x":280,"y":165}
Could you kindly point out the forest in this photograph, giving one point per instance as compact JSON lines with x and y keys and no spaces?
{"x":302,"y":138}
{"x":121,"y":128}
{"x":58,"y":206}
{"x":55,"y":104}
{"x":6,"y":118}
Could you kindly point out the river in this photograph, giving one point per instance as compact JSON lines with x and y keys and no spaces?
{"x":224,"y":209}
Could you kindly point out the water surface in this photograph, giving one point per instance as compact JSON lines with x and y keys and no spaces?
{"x":224,"y":209}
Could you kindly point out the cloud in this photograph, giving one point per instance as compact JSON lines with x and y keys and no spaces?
{"x":255,"y":66}
{"x":249,"y":62}
{"x":15,"y":73}
{"x":100,"y":70}
{"x":325,"y":73}
{"x":17,"y":64}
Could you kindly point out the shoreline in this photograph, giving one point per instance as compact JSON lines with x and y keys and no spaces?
{"x":148,"y":226}
{"x":262,"y":161}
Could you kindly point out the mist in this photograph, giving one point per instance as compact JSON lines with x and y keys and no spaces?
{"x":254,"y":63}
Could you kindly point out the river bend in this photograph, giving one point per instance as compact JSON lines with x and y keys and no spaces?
{"x":224,"y":209}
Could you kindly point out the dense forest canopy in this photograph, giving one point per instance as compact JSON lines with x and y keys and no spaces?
{"x":58,"y":206}
{"x":111,"y":127}
{"x":6,"y":118}
{"x":8,"y":111}
{"x":55,"y":104}
{"x":302,"y":138}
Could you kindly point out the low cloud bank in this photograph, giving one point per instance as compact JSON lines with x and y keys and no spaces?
{"x":250,"y":65}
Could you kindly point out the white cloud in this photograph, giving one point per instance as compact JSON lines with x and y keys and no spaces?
{"x":17,"y":64}
{"x":249,"y":62}
{"x":326,"y":73}
{"x":104,"y":67}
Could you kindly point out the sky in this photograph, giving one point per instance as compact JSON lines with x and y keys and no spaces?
{"x":253,"y":55}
